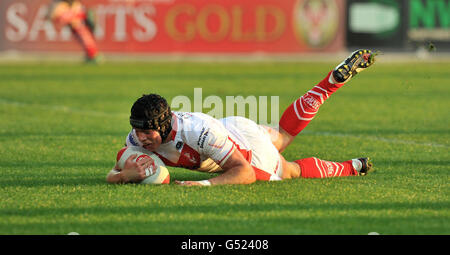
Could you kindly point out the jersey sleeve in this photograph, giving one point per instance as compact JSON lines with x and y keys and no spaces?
{"x":132,"y":139}
{"x":214,"y":143}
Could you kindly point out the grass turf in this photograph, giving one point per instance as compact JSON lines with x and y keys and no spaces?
{"x":62,"y":124}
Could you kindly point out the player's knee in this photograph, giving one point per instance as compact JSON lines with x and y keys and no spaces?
{"x":284,"y":140}
{"x":250,"y":176}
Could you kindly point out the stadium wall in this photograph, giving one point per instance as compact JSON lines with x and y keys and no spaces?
{"x":185,"y":26}
{"x":398,"y":25}
{"x":267,"y":27}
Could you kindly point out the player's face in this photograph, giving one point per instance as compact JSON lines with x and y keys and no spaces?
{"x":150,"y":139}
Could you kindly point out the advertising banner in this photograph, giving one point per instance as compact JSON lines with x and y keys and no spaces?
{"x":429,"y":21}
{"x":398,"y":24}
{"x":184,"y":26}
{"x":376,"y":23}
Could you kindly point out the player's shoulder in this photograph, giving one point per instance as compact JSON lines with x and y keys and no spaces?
{"x":192,"y":116}
{"x":193,"y":121}
{"x":192,"y":126}
{"x":204,"y":134}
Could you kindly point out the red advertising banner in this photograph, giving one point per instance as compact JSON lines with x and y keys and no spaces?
{"x":184,"y":26}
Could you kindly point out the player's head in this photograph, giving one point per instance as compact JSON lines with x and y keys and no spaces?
{"x":152,"y":112}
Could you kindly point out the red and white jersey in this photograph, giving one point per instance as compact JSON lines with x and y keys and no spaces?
{"x":197,"y":137}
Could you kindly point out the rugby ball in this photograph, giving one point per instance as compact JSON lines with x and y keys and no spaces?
{"x":157,"y":173}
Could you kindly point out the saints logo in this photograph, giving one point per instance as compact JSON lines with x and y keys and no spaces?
{"x":316,"y":22}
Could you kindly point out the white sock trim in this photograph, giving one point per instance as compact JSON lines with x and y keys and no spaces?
{"x":357,"y":164}
{"x":205,"y":182}
{"x":331,"y":79}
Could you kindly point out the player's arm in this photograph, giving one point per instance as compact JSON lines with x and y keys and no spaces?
{"x":236,"y":171}
{"x":132,"y":171}
{"x":216,"y":144}
{"x":115,"y":176}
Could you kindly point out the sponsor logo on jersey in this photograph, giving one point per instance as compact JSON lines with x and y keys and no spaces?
{"x":184,"y":115}
{"x":132,"y":139}
{"x":190,"y":157}
{"x":203,"y":135}
{"x":179,"y":145}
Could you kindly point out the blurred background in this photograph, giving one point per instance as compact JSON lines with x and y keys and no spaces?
{"x":251,"y":29}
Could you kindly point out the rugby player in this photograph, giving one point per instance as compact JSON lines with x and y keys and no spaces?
{"x":239,"y":148}
{"x":73,"y":14}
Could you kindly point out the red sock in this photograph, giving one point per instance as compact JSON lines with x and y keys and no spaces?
{"x":317,"y":168}
{"x":298,"y":115}
{"x":87,"y":40}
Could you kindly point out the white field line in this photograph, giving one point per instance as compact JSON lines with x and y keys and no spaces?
{"x":66,"y":109}
{"x":375,"y":138}
{"x":62,"y":108}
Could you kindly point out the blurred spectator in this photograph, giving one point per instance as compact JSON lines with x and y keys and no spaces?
{"x":80,"y":20}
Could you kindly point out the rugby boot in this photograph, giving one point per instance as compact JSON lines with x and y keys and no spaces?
{"x":367,"y":166}
{"x":355,"y":63}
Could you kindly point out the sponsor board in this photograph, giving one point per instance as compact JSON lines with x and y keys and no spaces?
{"x":184,"y":26}
{"x":398,"y":24}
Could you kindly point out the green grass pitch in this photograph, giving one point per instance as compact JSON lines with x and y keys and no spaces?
{"x":62,"y":124}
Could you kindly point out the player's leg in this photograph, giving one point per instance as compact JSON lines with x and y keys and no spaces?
{"x":254,"y":140}
{"x":290,"y":170}
{"x":83,"y":32}
{"x":298,"y":115}
{"x":86,"y":39}
{"x":280,"y":138}
{"x":75,"y":15}
{"x":317,"y":168}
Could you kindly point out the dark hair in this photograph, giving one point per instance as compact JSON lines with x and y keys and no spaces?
{"x":152,"y":112}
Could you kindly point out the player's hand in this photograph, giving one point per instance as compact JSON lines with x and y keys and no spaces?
{"x":135,"y":171}
{"x":188,"y":183}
